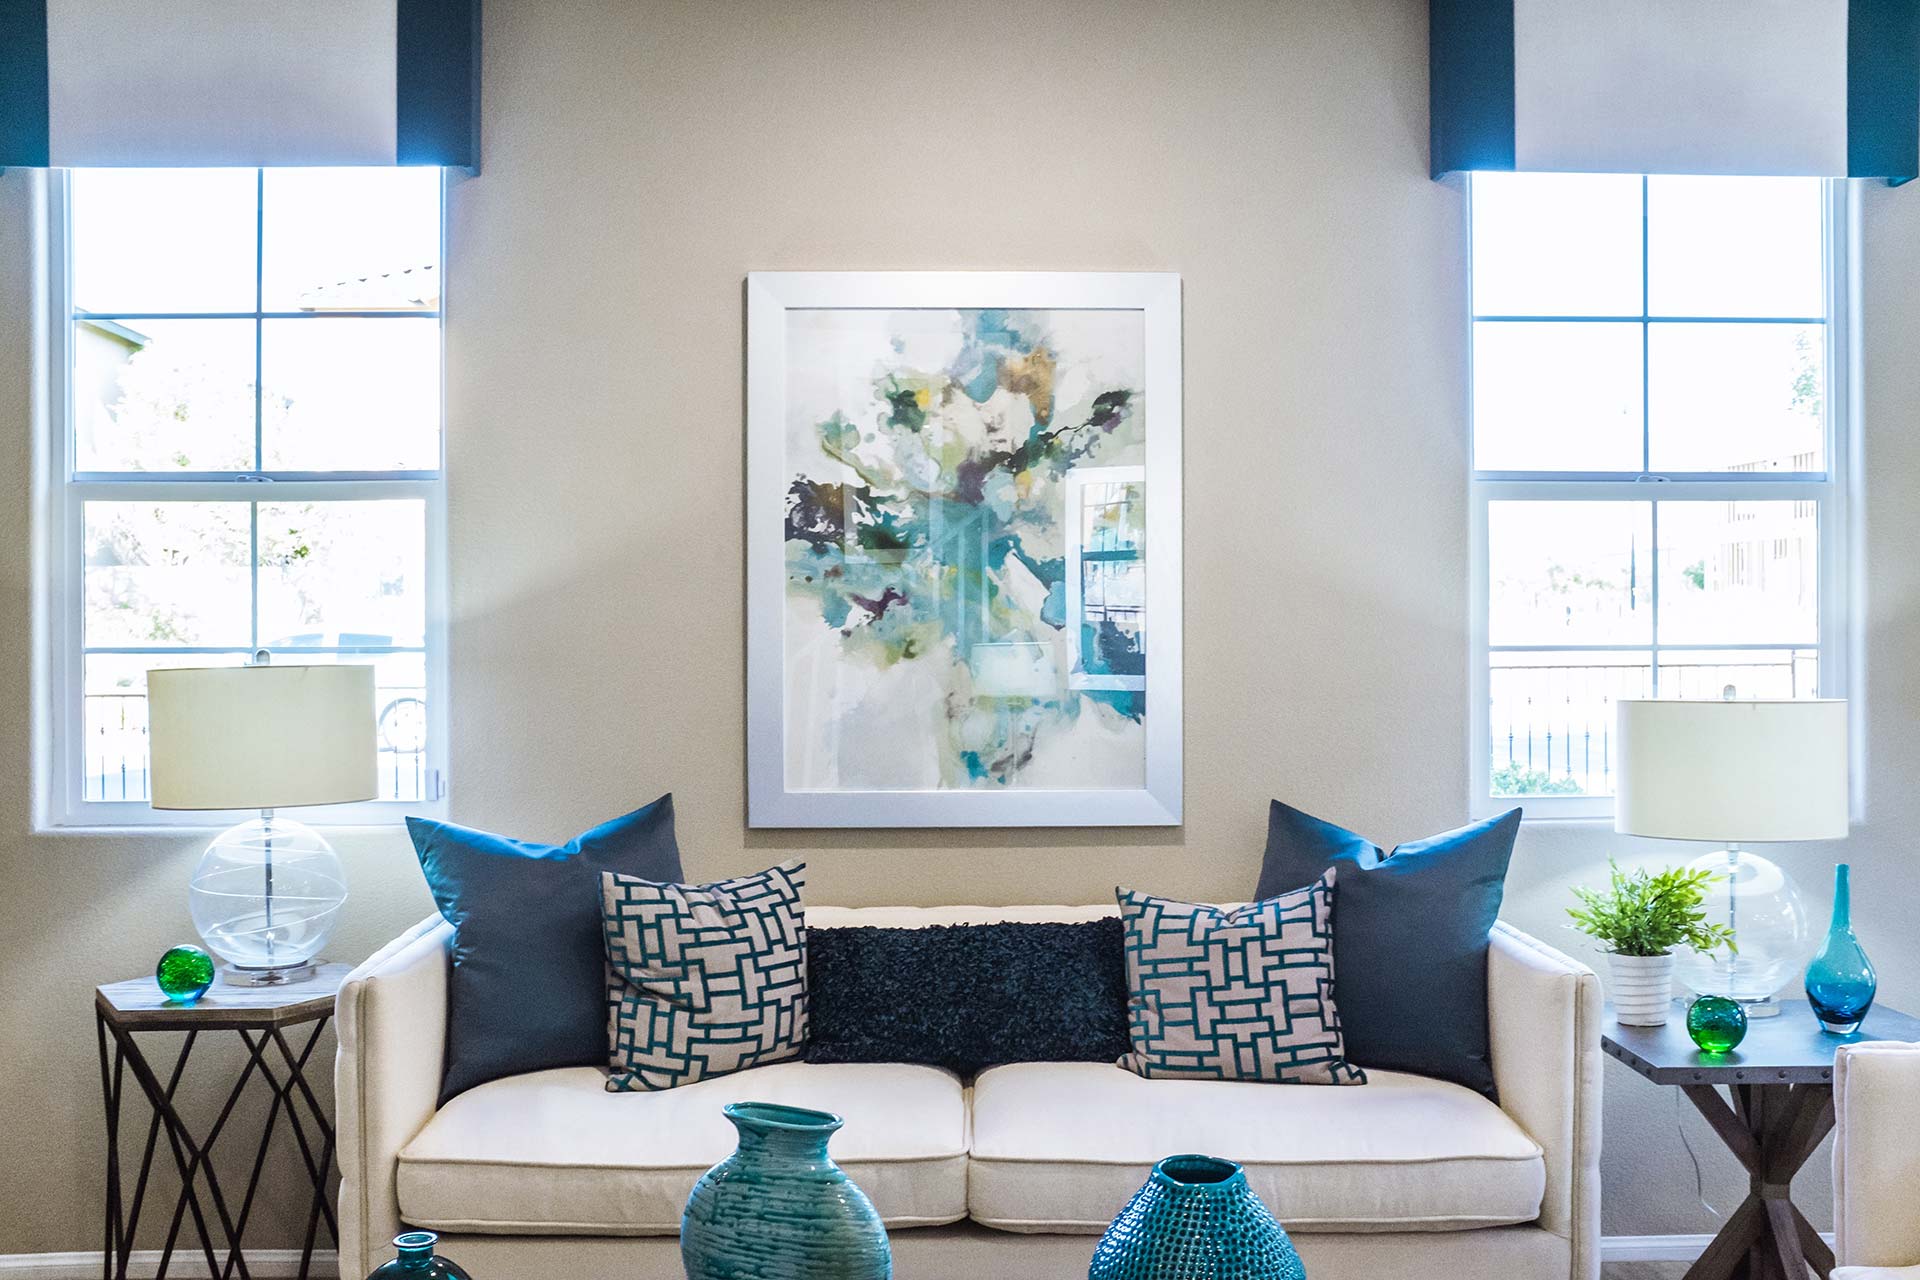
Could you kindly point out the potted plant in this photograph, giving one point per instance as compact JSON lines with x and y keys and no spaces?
{"x":1640,"y":919}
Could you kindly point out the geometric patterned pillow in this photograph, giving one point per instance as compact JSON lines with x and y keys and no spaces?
{"x":703,"y":980}
{"x":1245,"y":994}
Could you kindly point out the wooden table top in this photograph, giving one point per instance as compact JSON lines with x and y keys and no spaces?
{"x":137,"y":1004}
{"x":1788,"y":1049}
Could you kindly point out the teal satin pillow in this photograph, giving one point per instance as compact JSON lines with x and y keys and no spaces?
{"x":528,"y":988}
{"x":1409,"y":937}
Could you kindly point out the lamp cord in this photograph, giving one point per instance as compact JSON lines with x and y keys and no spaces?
{"x":1699,"y":1179}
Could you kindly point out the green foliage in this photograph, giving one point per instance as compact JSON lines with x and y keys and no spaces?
{"x":1696,"y":573}
{"x":1644,"y":913}
{"x":1517,"y":780}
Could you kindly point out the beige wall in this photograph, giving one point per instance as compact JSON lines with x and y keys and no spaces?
{"x":640,"y":158}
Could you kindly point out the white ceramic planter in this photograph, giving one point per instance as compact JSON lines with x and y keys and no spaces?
{"x":1641,"y":988}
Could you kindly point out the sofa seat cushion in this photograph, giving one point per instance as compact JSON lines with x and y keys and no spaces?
{"x":1062,"y":1147}
{"x":553,"y":1152}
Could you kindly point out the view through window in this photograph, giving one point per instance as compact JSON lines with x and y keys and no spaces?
{"x":253,"y":400}
{"x":1654,"y":482}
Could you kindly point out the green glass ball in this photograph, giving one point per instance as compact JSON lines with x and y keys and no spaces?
{"x":1716,"y":1023}
{"x":184,"y":974}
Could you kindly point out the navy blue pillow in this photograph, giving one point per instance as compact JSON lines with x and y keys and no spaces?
{"x":528,"y":988}
{"x":1409,"y":937}
{"x":968,"y":996}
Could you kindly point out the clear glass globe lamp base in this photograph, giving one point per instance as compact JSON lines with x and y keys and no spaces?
{"x":1771,"y":928}
{"x":265,"y":898}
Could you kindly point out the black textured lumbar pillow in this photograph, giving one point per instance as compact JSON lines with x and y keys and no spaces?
{"x":968,"y":996}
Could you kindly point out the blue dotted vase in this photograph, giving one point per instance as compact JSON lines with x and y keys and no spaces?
{"x":1196,"y":1219}
{"x":779,"y":1208}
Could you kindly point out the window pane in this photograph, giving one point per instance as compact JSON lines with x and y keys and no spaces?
{"x":166,"y":573}
{"x":1561,"y":244}
{"x":400,"y":708}
{"x":1569,"y":573}
{"x":1739,"y":572}
{"x":1737,"y":397}
{"x":113,"y":745}
{"x":1735,"y":247}
{"x":351,"y":395}
{"x":163,"y":395}
{"x":1552,"y":719}
{"x":352,"y":240}
{"x":343,"y":574}
{"x":1751,"y":673}
{"x":113,"y":749}
{"x":1556,"y":397}
{"x":163,"y":239}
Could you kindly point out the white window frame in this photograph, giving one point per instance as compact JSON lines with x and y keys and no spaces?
{"x":1836,"y":524}
{"x":63,"y":804}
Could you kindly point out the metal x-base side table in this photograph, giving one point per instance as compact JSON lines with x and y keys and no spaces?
{"x":262,"y":1018}
{"x":1778,"y":1108}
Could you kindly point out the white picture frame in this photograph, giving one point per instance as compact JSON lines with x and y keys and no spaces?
{"x":774,"y":800}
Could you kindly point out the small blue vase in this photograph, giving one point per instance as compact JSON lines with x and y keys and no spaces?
{"x":1195,"y":1219}
{"x":417,"y":1260}
{"x":1840,"y":981}
{"x":779,"y":1208}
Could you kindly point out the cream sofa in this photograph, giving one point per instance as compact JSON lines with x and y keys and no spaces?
{"x":1010,"y":1175}
{"x":1876,"y":1161}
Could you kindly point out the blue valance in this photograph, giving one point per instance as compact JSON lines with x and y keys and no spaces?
{"x":1827,"y":88}
{"x":214,"y":82}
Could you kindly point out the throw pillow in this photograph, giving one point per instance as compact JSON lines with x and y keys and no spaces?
{"x":966,"y":997}
{"x":1235,"y":994}
{"x":1411,"y":950}
{"x":703,"y":980}
{"x":528,"y":986}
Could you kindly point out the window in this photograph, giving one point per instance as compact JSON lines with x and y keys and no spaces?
{"x":247,"y":383}
{"x":1657,"y":481}
{"x":1107,"y":577}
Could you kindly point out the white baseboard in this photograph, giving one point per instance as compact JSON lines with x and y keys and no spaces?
{"x":1660,"y":1248}
{"x":268,"y":1264}
{"x":276,"y":1264}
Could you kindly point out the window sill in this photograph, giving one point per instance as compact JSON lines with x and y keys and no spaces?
{"x":138,"y":820}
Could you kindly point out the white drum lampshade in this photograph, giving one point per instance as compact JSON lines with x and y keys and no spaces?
{"x":1734,"y":772}
{"x":267,"y":892}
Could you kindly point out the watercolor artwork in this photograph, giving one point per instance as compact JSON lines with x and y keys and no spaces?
{"x":965,"y":561}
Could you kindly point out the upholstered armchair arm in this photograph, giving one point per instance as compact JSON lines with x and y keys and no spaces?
{"x":1876,"y":1154}
{"x":1543,"y":1010}
{"x":391,"y":1023}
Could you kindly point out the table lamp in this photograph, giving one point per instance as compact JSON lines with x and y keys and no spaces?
{"x":1735,"y":771}
{"x":266,"y":893}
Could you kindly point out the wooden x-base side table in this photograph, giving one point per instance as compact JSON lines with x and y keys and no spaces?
{"x":1777,"y":1109}
{"x":262,"y":1018}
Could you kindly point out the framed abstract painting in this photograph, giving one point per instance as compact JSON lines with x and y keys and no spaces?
{"x":963,"y":549}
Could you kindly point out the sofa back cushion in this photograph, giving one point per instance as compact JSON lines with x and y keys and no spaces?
{"x":967,"y":996}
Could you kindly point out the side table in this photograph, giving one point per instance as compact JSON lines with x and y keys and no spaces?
{"x":1778,"y":1108}
{"x":262,"y":1018}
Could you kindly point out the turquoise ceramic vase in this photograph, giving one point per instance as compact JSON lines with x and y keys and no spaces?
{"x":1196,"y":1219}
{"x":779,"y":1208}
{"x":417,"y":1260}
{"x":1840,"y":981}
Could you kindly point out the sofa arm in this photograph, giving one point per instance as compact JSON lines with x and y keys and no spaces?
{"x":1876,"y":1154}
{"x":1543,"y":1013}
{"x":391,"y":1019}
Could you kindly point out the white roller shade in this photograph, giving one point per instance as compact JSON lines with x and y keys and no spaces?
{"x":1732,"y":772}
{"x":261,"y":737}
{"x":212,"y":82}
